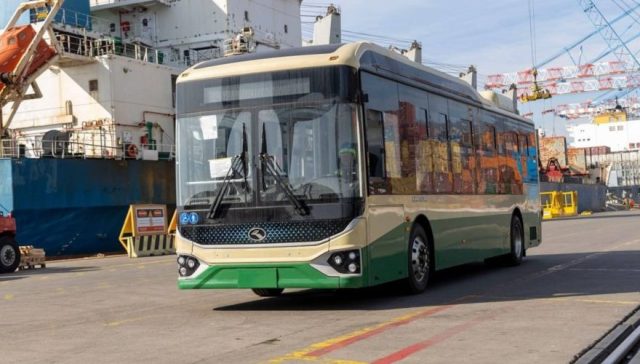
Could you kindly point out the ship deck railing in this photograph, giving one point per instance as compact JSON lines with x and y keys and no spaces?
{"x":16,"y":149}
{"x":80,"y":34}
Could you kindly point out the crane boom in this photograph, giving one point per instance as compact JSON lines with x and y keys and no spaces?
{"x":25,"y":54}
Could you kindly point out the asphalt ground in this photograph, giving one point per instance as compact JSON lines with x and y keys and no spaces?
{"x":570,"y":291}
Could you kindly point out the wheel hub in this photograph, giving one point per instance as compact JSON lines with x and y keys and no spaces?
{"x":7,"y":255}
{"x":419,"y":259}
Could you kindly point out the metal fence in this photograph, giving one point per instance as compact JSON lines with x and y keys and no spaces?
{"x":41,"y":147}
{"x":624,"y":167}
{"x":88,"y":45}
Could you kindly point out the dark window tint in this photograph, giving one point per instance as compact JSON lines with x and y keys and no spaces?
{"x":383,"y":134}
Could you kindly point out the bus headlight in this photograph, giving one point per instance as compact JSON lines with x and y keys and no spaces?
{"x":187,"y":265}
{"x":347,"y":262}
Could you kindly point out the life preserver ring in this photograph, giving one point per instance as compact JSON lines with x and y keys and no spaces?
{"x":132,"y":151}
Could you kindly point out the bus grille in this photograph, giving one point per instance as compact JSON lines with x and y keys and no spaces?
{"x":276,"y":232}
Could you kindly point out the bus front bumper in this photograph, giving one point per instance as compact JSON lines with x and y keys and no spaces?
{"x":283,"y":275}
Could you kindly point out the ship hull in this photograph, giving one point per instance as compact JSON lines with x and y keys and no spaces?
{"x":77,"y":207}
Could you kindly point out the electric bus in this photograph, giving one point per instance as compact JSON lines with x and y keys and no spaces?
{"x":345,"y":166}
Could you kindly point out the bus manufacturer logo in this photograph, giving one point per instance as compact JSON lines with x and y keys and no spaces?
{"x":257,"y":234}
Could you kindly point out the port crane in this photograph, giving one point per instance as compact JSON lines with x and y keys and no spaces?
{"x":25,"y":52}
{"x":620,"y":74}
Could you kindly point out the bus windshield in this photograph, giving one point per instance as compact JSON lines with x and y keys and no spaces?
{"x":310,"y":147}
{"x":284,"y":138}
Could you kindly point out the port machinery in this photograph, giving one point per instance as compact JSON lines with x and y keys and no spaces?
{"x":594,"y":75}
{"x":25,"y":52}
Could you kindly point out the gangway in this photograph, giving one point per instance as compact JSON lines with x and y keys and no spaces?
{"x":25,"y":53}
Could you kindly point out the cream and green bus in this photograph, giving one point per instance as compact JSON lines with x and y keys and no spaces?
{"x":345,"y":166}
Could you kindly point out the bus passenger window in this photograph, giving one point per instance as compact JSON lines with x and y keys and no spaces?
{"x":375,"y":142}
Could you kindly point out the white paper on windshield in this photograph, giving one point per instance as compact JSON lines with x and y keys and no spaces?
{"x":219,"y":167}
{"x":209,"y":126}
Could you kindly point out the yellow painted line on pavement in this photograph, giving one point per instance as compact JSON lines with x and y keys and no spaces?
{"x":563,"y":297}
{"x":314,"y":351}
{"x":8,"y":297}
{"x":611,"y":302}
{"x":126,"y":321}
{"x":314,"y":359}
{"x":171,"y":261}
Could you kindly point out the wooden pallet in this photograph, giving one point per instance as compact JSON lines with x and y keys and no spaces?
{"x":30,"y":257}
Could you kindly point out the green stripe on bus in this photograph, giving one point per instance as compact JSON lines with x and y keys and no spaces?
{"x":282,"y":275}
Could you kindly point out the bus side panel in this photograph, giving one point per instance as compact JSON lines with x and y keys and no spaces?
{"x":468,"y":239}
{"x":387,"y":232}
{"x":532,"y":216}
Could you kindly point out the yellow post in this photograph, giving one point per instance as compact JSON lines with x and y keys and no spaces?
{"x":173,"y":224}
{"x":128,"y":229}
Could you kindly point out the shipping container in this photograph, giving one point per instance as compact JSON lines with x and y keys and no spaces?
{"x":599,"y":150}
{"x":553,"y":147}
{"x":577,"y":159}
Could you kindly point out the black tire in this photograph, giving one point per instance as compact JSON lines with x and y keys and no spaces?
{"x":420,"y":261}
{"x":9,"y":254}
{"x":268,"y":292}
{"x":516,"y":236}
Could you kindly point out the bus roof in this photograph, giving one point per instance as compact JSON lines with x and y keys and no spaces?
{"x":361,"y":55}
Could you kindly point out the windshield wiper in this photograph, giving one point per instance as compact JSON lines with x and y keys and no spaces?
{"x":237,"y":161}
{"x":217,"y":202}
{"x":269,"y":165}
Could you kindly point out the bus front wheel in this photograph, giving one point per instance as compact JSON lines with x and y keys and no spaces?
{"x":268,"y":292}
{"x":419,"y":261}
{"x":517,"y":242}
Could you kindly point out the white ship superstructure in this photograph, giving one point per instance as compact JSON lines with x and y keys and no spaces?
{"x":111,"y":93}
{"x":618,"y":135}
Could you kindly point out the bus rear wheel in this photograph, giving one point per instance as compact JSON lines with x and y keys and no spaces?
{"x":268,"y":292}
{"x":419,"y":261}
{"x":516,"y":235}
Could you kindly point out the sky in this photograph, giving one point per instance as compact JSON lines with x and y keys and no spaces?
{"x":492,"y":35}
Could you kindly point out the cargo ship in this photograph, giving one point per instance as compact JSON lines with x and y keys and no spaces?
{"x":96,"y":132}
